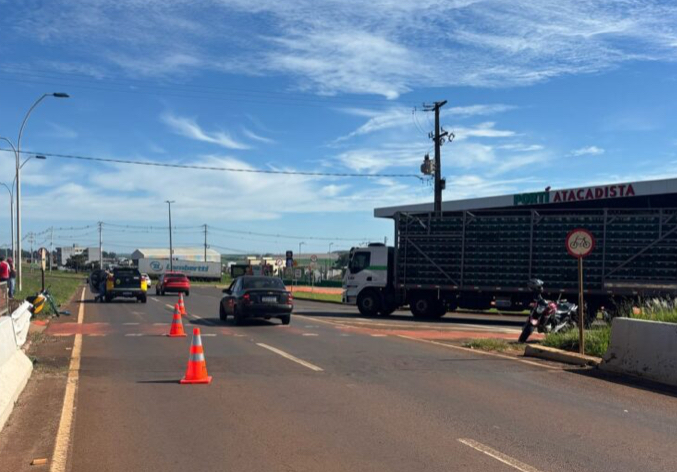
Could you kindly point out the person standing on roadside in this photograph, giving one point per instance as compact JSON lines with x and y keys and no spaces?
{"x":4,"y":271}
{"x":12,"y":277}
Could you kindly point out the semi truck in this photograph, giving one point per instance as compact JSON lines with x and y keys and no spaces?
{"x":480,"y":253}
{"x":195,"y":270}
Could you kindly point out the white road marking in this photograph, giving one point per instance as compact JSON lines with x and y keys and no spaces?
{"x":207,"y":322}
{"x":379,"y":335}
{"x":345,"y":335}
{"x":135,"y":335}
{"x":130,"y":324}
{"x":291,"y":358}
{"x":160,"y":324}
{"x":309,"y":334}
{"x":478,"y":351}
{"x":499,"y":456}
{"x":63,"y":434}
{"x":208,"y":335}
{"x":171,"y":307}
{"x":240,"y":335}
{"x":154,"y":299}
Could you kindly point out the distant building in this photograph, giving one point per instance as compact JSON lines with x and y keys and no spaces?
{"x":180,"y":253}
{"x":65,"y":253}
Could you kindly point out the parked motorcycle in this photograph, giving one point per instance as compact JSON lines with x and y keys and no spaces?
{"x":547,"y":316}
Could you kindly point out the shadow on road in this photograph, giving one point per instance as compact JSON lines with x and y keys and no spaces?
{"x":628,"y":381}
{"x":470,"y":318}
{"x":172,"y":381}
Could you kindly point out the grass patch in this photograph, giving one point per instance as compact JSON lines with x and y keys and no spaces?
{"x":497,"y":345}
{"x":62,"y":285}
{"x":324,"y":297}
{"x":596,"y":340}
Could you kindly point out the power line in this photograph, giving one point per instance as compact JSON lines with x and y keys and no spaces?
{"x":221,"y":169}
{"x":317,"y":238}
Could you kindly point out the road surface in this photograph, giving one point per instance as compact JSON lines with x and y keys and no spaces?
{"x":335,"y":392}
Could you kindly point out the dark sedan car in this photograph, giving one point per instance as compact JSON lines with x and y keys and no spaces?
{"x":256,"y":297}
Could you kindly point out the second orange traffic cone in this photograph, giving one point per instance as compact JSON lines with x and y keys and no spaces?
{"x":177,"y":326}
{"x":196,"y":373}
{"x":182,"y":307}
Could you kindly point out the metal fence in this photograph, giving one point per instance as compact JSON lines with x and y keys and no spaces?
{"x":4,"y":299}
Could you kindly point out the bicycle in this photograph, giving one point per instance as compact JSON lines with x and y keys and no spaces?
{"x":45,"y":298}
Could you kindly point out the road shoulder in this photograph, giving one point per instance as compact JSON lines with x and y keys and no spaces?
{"x":31,"y":429}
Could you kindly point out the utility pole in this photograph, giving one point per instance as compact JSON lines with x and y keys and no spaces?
{"x":31,"y":239}
{"x":438,"y":138}
{"x":171,"y":248}
{"x":100,"y":245}
{"x":51,"y":247}
{"x":205,"y":226}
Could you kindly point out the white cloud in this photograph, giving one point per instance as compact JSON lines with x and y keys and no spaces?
{"x":588,"y":151}
{"x":60,"y":131}
{"x":251,"y":135}
{"x":189,"y":128}
{"x":482,"y":130}
{"x":344,"y":47}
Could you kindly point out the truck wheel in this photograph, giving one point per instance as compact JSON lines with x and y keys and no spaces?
{"x":368,"y":303}
{"x":439,"y":309}
{"x":421,"y":307}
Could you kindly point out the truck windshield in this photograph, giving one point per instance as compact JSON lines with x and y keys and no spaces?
{"x":359,"y":261}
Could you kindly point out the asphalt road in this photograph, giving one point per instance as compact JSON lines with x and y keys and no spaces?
{"x":357,"y":395}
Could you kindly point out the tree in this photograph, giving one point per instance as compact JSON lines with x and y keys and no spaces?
{"x":77,"y":262}
{"x":342,"y":261}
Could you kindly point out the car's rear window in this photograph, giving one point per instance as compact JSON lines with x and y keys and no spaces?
{"x":126,"y":273}
{"x":176,"y":277}
{"x":262,"y":282}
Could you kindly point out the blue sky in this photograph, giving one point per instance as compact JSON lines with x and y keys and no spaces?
{"x":560,"y":93}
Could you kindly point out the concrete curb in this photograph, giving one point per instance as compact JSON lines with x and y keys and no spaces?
{"x":566,"y":357}
{"x":318,"y":301}
{"x":14,"y":375}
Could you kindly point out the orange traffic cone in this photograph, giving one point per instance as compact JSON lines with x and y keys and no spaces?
{"x":182,"y":307}
{"x":177,"y":326}
{"x":196,"y":373}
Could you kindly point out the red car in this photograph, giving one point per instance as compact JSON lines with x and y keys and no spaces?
{"x":173,"y":282}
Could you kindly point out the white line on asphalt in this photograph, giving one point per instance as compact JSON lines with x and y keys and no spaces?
{"x":154,"y":299}
{"x":160,"y":324}
{"x":499,"y":456}
{"x":379,"y":335}
{"x":171,"y":307}
{"x":130,"y":324}
{"x":207,"y":335}
{"x":478,"y":351}
{"x":207,"y":322}
{"x":291,"y":358}
{"x":309,"y":334}
{"x":63,"y":434}
{"x":134,"y":335}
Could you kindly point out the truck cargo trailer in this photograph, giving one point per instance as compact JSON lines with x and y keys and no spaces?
{"x":480,"y":253}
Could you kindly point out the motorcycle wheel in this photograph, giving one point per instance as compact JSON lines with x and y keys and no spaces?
{"x":526,"y":332}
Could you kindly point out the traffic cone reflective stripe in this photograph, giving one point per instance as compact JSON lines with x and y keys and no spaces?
{"x":176,"y":330}
{"x":182,"y":306}
{"x":196,"y":372}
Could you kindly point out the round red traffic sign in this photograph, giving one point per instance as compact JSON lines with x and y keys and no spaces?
{"x":580,"y":242}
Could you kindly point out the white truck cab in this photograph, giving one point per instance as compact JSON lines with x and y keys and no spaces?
{"x":368,"y":278}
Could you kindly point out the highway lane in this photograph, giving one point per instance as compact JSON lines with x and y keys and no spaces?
{"x":379,"y":402}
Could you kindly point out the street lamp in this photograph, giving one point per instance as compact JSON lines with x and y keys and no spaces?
{"x":17,"y":153}
{"x":330,"y":245}
{"x":300,"y":244}
{"x":171,"y":249}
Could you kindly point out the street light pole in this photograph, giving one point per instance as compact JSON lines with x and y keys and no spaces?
{"x":17,"y":152}
{"x":171,"y":249}
{"x":11,"y":216}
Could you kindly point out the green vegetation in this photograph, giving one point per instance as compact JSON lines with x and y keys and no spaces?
{"x":62,"y":285}
{"x":226,"y":279}
{"x":498,"y":345}
{"x":325,"y":297}
{"x":665,"y":312}
{"x":596,"y":340}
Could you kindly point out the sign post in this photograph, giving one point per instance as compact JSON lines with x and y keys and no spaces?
{"x":580,"y":243}
{"x":43,"y":264}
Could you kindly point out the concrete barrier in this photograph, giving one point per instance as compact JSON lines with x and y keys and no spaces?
{"x":15,"y":369}
{"x":643,"y":348}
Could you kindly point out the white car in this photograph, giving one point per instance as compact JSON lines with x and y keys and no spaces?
{"x":147,"y":279}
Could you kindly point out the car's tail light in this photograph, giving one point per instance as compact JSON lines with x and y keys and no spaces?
{"x":290,"y":297}
{"x":246,"y":298}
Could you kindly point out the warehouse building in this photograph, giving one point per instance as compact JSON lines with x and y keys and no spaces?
{"x":180,"y":253}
